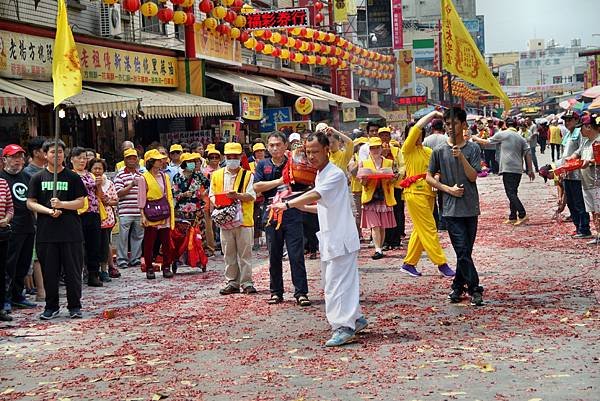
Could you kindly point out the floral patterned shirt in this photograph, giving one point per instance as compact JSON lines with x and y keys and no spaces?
{"x":186,"y":207}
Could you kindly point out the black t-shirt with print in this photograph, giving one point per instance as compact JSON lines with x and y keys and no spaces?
{"x":67,"y":227}
{"x":23,"y":221}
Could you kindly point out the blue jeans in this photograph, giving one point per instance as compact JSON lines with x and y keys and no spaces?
{"x":462,"y":232}
{"x":291,"y":233}
{"x":574,"y":195}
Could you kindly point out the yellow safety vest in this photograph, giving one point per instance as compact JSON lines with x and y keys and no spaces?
{"x":217,"y":180}
{"x":388,"y":185}
{"x":154,"y":192}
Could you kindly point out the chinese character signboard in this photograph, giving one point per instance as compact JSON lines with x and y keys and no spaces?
{"x":287,"y":18}
{"x":251,"y":106}
{"x":340,"y":11}
{"x":344,"y":83}
{"x":411,"y":100}
{"x":215,"y":47}
{"x":274,"y":116}
{"x":406,"y":73}
{"x":397,"y":26}
{"x":30,"y":57}
{"x":379,"y":23}
{"x":293,"y":126}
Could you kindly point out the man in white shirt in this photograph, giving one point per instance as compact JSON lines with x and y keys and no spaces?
{"x":338,"y":241}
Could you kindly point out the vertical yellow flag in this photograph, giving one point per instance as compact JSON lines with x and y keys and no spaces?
{"x":461,"y":57}
{"x":340,"y":11}
{"x":66,"y":70}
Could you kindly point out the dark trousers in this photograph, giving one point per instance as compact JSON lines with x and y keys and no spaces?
{"x":489,"y":156}
{"x":462,"y":232}
{"x":438,"y":211}
{"x":292,"y":234}
{"x":164,"y":237}
{"x":574,"y":195}
{"x":542,"y":142}
{"x":555,"y":147}
{"x":58,"y":258}
{"x":90,"y":223}
{"x":105,"y":236}
{"x":511,"y":187}
{"x":4,"y":293}
{"x":310,"y":226}
{"x":393,"y":236}
{"x":18,"y":260}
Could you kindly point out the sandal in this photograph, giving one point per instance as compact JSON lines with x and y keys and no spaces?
{"x":303,"y":300}
{"x":275,"y":299}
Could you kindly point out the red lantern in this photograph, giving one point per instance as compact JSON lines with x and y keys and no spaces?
{"x":303,"y":32}
{"x":244,"y":36}
{"x":224,"y":29}
{"x":190,"y":20}
{"x":318,"y":5}
{"x":206,"y":6}
{"x":267,"y":34}
{"x":311,"y":46}
{"x":237,"y":4}
{"x":284,"y":40}
{"x":131,"y":5}
{"x":165,"y":15}
{"x":298,"y":44}
{"x":305,"y":59}
{"x":318,"y":60}
{"x":260,"y":45}
{"x":276,"y":52}
{"x":318,"y":18}
{"x":177,"y":2}
{"x":230,"y":16}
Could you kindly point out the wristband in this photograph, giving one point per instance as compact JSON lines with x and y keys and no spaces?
{"x":287,"y":205}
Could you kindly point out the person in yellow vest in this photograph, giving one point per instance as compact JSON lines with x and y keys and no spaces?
{"x":355,"y":185}
{"x":377,"y":197}
{"x":420,"y":198}
{"x":155,"y":200}
{"x":121,"y":165}
{"x":338,"y":155}
{"x":236,"y":241}
{"x":258,"y":150}
{"x":555,"y":140}
{"x":394,"y":235}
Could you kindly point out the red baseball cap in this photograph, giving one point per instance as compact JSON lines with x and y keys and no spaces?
{"x":11,"y":150}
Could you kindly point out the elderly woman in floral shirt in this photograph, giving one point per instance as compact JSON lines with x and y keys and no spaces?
{"x":189,"y":187}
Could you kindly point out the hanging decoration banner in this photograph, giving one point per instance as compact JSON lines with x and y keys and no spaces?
{"x":379,"y":23}
{"x":340,"y":11}
{"x":344,"y":83}
{"x":397,"y":26}
{"x":251,"y":106}
{"x":230,"y":130}
{"x":30,"y":57}
{"x":406,"y":72}
{"x":287,"y":18}
{"x":215,"y":47}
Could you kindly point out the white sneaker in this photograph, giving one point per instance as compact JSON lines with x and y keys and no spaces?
{"x":595,"y":241}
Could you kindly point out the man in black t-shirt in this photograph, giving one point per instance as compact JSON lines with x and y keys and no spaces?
{"x":20,"y":244}
{"x":59,"y":240}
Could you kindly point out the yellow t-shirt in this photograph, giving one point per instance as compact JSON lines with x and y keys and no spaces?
{"x":555,"y":135}
{"x":416,"y":162}
{"x":341,"y":158}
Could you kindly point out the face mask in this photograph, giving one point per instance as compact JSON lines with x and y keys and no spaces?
{"x":190,"y":165}
{"x":233,"y":164}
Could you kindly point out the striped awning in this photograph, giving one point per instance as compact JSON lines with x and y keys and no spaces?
{"x":163,"y":103}
{"x":343,"y":102}
{"x":240,"y":83}
{"x":10,"y":103}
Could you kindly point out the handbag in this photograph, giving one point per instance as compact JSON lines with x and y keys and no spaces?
{"x":159,"y":209}
{"x":5,"y":233}
{"x":230,"y":216}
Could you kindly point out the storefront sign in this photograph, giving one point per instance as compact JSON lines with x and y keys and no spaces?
{"x":274,"y":116}
{"x":406,"y":73}
{"x":379,"y":23}
{"x":411,"y":100}
{"x":251,"y":106}
{"x":30,"y":57}
{"x":215,"y":47}
{"x":230,"y":130}
{"x":293,"y":126}
{"x":304,"y":105}
{"x":169,"y":138}
{"x":344,"y":83}
{"x":397,"y":26}
{"x":399,"y":115}
{"x":287,"y":18}
{"x":348,"y":115}
{"x":340,"y":11}
{"x":424,"y":49}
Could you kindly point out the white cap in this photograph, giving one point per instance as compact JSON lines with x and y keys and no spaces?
{"x":321,"y":127}
{"x":294,"y":137}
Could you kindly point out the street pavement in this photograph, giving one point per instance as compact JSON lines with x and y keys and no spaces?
{"x":536,"y":338}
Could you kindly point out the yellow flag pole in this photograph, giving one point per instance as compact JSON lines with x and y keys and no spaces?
{"x":56,"y":139}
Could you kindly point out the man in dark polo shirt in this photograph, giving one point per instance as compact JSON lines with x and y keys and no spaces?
{"x":267,"y":178}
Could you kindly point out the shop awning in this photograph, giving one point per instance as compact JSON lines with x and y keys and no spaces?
{"x":88,"y":103}
{"x":240,"y":83}
{"x":320,"y":103}
{"x":163,"y":103}
{"x":342,"y":101}
{"x":10,"y":103}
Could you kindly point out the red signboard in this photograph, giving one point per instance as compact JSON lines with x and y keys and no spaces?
{"x":397,"y":27}
{"x":411,"y":100}
{"x":344,"y":83}
{"x":288,"y":18}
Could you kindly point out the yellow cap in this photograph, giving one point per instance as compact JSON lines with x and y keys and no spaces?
{"x":176,"y":148}
{"x":130,"y":152}
{"x":210,"y":146}
{"x":374,"y":141}
{"x":189,"y":156}
{"x":233,"y":148}
{"x":213,"y":151}
{"x":361,"y":140}
{"x":384,"y":129}
{"x":154,"y":154}
{"x":258,"y":146}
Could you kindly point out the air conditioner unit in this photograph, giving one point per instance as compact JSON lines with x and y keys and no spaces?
{"x":110,"y":20}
